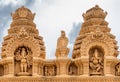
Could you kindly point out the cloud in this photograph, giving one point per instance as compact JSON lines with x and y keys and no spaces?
{"x":6,"y":7}
{"x":74,"y":32}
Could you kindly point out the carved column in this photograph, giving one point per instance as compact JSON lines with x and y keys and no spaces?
{"x":79,"y":65}
{"x":85,"y":62}
{"x":62,"y":66}
{"x":108,"y":62}
{"x":41,"y":63}
{"x":35,"y":66}
{"x":9,"y":66}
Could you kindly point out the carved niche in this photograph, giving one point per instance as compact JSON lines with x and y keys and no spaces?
{"x":1,"y":70}
{"x":23,"y":61}
{"x":96,"y":61}
{"x":73,"y":69}
{"x":49,"y":70}
{"x":117,"y":69}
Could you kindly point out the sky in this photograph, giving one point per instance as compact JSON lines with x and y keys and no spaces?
{"x":52,"y":16}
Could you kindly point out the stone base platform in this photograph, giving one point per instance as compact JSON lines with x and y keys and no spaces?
{"x":60,"y":79}
{"x":23,"y":74}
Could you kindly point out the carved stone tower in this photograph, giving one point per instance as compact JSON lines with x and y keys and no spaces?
{"x":95,"y":46}
{"x":94,"y":54}
{"x":22,"y":46}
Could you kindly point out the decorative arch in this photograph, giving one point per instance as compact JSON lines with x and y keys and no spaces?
{"x":72,"y":69}
{"x":117,"y":69}
{"x":88,"y":46}
{"x":28,"y":42}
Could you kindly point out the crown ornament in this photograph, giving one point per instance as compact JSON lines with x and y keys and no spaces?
{"x":95,"y":12}
{"x":23,"y":13}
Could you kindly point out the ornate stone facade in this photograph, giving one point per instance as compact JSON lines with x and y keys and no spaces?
{"x":94,"y":53}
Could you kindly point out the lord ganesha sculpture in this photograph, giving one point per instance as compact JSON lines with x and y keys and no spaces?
{"x":24,"y":56}
{"x":96,"y":64}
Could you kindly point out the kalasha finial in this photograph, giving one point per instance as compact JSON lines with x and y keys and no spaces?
{"x":23,"y":13}
{"x":95,"y":12}
{"x":97,"y":6}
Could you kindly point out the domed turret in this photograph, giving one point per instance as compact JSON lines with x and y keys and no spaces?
{"x":93,"y":18}
{"x":23,"y":18}
{"x":94,"y":26}
{"x":23,"y":13}
{"x":95,"y":12}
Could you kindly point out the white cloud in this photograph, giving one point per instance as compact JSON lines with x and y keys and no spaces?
{"x":11,"y":2}
{"x":61,"y":14}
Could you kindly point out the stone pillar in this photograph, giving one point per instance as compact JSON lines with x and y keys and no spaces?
{"x":62,"y":66}
{"x":41,"y":72}
{"x":79,"y":65}
{"x":107,"y":66}
{"x":9,"y":66}
{"x":11,"y":69}
{"x":35,"y":66}
{"x":85,"y":62}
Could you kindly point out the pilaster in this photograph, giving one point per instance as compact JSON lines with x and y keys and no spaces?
{"x":85,"y":62}
{"x":62,"y":66}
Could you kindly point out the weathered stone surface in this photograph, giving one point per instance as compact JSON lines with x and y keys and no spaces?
{"x":94,"y":57}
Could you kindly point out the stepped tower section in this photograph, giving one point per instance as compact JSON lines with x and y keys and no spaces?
{"x":95,"y":46}
{"x":22,"y":41}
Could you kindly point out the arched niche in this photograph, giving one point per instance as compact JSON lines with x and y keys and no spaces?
{"x":117,"y":69}
{"x":49,"y":70}
{"x":23,"y":61}
{"x":1,"y":70}
{"x":72,"y":69}
{"x":96,"y":61}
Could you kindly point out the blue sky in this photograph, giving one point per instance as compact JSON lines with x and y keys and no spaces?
{"x":52,"y":16}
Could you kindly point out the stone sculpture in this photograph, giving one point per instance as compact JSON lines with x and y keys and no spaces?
{"x":96,"y":63}
{"x":62,"y":42}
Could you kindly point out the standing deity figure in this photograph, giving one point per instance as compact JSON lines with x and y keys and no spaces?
{"x":23,"y":60}
{"x":96,"y":63}
{"x":62,"y":42}
{"x":23,"y":57}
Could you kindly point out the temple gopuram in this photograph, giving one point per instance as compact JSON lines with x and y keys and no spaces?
{"x":94,"y":54}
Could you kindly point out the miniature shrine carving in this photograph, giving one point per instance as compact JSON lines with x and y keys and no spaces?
{"x":72,"y":70}
{"x":49,"y":70}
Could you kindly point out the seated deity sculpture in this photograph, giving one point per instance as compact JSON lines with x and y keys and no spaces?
{"x":62,"y":43}
{"x":96,"y":63}
{"x":49,"y":70}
